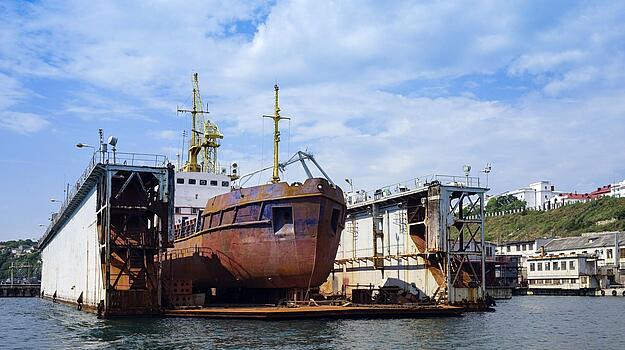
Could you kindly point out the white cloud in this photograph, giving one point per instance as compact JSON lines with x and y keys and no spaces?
{"x":23,"y":123}
{"x":342,"y":67}
{"x":544,"y":61}
{"x":169,"y":135}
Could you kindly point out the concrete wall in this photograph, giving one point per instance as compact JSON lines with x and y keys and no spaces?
{"x":71,"y":260}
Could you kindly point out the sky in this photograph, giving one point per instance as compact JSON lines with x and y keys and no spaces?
{"x":379,"y":92}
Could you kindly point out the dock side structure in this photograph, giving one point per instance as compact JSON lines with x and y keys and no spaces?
{"x":424,"y":236}
{"x":101,"y":251}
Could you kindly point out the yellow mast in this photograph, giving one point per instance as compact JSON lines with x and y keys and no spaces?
{"x":211,"y":135}
{"x":276,"y":135}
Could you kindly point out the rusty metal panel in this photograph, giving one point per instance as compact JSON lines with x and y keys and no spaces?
{"x":248,"y":250}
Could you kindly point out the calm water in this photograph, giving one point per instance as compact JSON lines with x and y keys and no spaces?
{"x":523,"y":322}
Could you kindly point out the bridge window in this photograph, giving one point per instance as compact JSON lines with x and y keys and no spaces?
{"x":282,"y":218}
{"x":203,"y":182}
{"x":192,"y":181}
{"x":179,"y":181}
{"x":213,"y":182}
{"x":225,"y":184}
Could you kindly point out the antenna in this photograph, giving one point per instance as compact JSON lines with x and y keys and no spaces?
{"x":487,"y":169}
{"x":204,"y":135}
{"x":276,"y":135}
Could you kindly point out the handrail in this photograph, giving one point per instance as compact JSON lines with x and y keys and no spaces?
{"x":407,"y":185}
{"x":97,"y":158}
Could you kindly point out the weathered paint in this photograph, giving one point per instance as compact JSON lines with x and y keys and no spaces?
{"x":71,"y":260}
{"x":237,"y":246}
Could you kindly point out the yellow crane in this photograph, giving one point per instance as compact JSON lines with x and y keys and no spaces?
{"x":205,"y":136}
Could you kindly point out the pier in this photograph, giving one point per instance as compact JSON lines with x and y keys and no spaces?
{"x":19,"y":290}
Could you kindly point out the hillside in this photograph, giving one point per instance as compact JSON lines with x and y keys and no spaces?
{"x":605,"y":214}
{"x":19,"y":259}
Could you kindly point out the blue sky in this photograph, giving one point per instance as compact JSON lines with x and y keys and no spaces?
{"x":379,"y":92}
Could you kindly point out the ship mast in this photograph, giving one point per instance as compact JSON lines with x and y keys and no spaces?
{"x":276,"y":135}
{"x":205,"y":136}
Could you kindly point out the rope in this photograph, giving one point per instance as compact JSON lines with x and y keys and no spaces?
{"x":313,"y":270}
{"x":262,"y":150}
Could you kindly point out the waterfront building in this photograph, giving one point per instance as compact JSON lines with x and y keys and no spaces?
{"x":607,"y":250}
{"x":563,"y":274}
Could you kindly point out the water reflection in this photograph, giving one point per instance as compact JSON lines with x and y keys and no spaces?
{"x":529,"y":322}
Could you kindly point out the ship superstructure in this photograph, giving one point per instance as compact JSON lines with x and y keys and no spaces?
{"x":201,"y":177}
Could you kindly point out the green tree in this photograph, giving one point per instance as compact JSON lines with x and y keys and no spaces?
{"x":504,"y":203}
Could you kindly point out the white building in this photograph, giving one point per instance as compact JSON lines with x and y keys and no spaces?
{"x":536,"y":195}
{"x":618,"y":190}
{"x":521,"y":248}
{"x":562,"y":199}
{"x":607,"y":247}
{"x":605,"y":250}
{"x":562,"y":274}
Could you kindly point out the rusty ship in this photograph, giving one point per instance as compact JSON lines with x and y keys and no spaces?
{"x":274,"y":236}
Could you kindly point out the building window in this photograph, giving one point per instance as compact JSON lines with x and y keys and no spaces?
{"x":179,"y":181}
{"x":547,"y":267}
{"x":555,"y":266}
{"x":524,"y":247}
{"x":532,"y":268}
{"x":584,"y":279}
{"x":518,"y":247}
{"x":192,"y":181}
{"x":177,"y":210}
{"x":224,"y":184}
{"x":539,"y":267}
{"x":572,"y":265}
{"x":563,"y":265}
{"x":213,"y":182}
{"x":508,"y":249}
{"x":622,"y":250}
{"x":573,"y":280}
{"x":609,"y":253}
{"x":531,"y":246}
{"x":193,"y":210}
{"x":203,"y":182}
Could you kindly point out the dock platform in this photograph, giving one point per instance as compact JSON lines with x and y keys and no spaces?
{"x":313,"y":312}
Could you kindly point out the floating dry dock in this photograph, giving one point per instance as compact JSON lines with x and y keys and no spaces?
{"x":311,"y":312}
{"x":101,"y":251}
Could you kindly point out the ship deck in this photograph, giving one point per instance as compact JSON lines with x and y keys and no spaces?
{"x":312,"y":312}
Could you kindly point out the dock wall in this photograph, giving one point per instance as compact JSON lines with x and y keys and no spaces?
{"x":72,"y":260}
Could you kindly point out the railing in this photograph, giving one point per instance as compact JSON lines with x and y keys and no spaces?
{"x":120,"y":158}
{"x":408,"y":185}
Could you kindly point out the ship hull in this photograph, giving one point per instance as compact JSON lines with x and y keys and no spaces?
{"x":269,"y":236}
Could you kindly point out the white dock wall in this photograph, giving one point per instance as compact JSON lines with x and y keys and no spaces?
{"x":71,"y":260}
{"x":402,"y":267}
